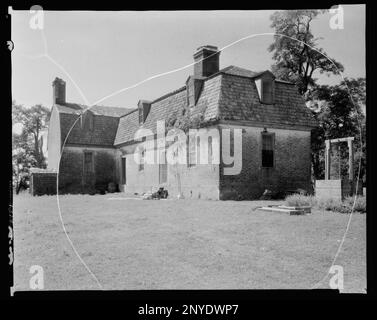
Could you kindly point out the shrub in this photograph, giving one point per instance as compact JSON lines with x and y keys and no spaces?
{"x":344,"y":206}
{"x":360,"y":205}
{"x":297,"y":200}
{"x":333,"y":205}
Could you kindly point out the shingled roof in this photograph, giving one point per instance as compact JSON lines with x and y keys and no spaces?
{"x":105,"y":124}
{"x":230,"y":94}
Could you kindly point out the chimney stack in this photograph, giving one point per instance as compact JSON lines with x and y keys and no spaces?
{"x":206,"y":61}
{"x":58,"y":91}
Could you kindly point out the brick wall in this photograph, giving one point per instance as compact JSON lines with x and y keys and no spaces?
{"x":199,"y":181}
{"x":291,"y":165}
{"x":71,"y":170}
{"x":208,"y":181}
{"x":42,"y":183}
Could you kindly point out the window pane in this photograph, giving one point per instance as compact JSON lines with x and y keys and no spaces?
{"x":267,"y":150}
{"x":267,"y":142}
{"x":141,"y":164}
{"x":88,"y":162}
{"x":267,"y":91}
{"x":192,"y":150}
{"x":267,"y":158}
{"x":163,"y":166}
{"x":124,"y":170}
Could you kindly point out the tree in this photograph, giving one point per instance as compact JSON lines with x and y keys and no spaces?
{"x":33,"y":120}
{"x":339,"y":111}
{"x":22,"y":154}
{"x":297,"y":61}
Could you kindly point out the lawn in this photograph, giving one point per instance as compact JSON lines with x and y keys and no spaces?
{"x":181,"y":244}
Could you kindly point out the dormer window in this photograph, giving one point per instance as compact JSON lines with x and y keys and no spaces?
{"x":144,"y":108}
{"x":141,"y":116}
{"x":267,"y":91}
{"x":87,"y":120}
{"x":266,"y":87}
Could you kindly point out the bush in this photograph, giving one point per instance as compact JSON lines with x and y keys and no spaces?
{"x":333,"y":205}
{"x":297,"y":200}
{"x":344,"y":206}
{"x":360,"y":205}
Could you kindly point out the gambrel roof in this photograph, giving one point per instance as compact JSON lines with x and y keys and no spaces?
{"x":105,"y":124}
{"x":230,"y":94}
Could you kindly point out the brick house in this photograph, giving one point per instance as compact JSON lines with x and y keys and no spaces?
{"x":269,"y":115}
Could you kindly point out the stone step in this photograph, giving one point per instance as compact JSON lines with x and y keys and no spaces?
{"x":306,"y":209}
{"x":284,"y":210}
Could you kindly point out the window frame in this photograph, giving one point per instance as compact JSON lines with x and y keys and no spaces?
{"x":91,"y":171}
{"x":192,"y":153}
{"x":272,"y":136}
{"x":267,"y":99}
{"x":141,"y":165}
{"x":163,"y":169}
{"x":123,"y":164}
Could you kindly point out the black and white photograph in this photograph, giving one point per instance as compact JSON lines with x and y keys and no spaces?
{"x":189,"y":150}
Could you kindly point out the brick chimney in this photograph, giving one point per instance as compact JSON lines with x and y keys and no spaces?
{"x":206,"y":61}
{"x":58,"y":91}
{"x":206,"y":64}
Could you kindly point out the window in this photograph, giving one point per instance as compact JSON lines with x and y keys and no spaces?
{"x":144,"y":107}
{"x":87,"y":119}
{"x":267,"y":91}
{"x":123,"y":163}
{"x":91,"y":122}
{"x":163,"y":168}
{"x":193,"y":141}
{"x":141,"y":164}
{"x":88,"y":163}
{"x":210,"y":151}
{"x":267,"y":150}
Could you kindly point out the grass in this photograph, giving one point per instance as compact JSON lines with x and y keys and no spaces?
{"x":181,"y":244}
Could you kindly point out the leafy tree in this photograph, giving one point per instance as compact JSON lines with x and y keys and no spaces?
{"x":339,"y":111}
{"x":22,"y":154}
{"x":297,"y":61}
{"x":33,"y":121}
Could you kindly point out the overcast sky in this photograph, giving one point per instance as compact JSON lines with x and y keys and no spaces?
{"x":106,"y":51}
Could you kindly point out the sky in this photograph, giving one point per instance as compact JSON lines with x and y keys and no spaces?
{"x":103,"y":52}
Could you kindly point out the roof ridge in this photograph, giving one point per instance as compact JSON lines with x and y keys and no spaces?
{"x":168,"y":94}
{"x":132,"y":111}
